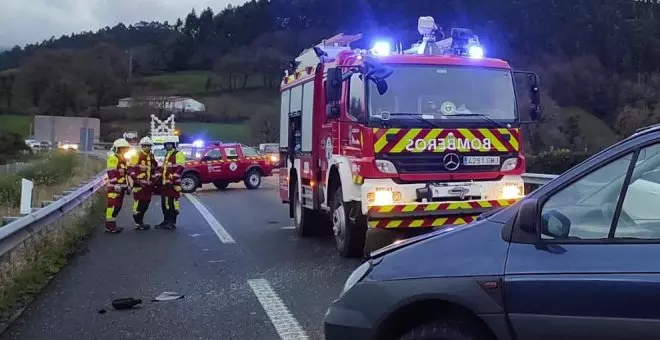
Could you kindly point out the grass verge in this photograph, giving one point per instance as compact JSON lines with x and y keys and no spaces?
{"x":57,"y":173}
{"x":52,"y":256}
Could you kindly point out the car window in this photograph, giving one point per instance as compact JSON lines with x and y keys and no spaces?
{"x":249,"y":152}
{"x":231,"y":153}
{"x":271,"y":149}
{"x":582,"y":202}
{"x":640,"y":216}
{"x":588,"y":205}
{"x":214,"y":154}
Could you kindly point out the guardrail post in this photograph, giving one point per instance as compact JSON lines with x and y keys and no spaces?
{"x":26,"y":196}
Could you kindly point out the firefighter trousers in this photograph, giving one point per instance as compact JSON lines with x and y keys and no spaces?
{"x":115,"y":202}
{"x":140,"y":207}
{"x":170,"y":207}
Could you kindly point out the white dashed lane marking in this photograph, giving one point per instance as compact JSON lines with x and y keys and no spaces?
{"x":285,"y":324}
{"x":223,"y":235}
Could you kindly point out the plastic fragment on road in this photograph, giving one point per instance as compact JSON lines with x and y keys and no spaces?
{"x":168,"y":296}
{"x":125,"y":303}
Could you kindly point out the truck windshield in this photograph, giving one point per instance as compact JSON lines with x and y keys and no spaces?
{"x":445,"y":93}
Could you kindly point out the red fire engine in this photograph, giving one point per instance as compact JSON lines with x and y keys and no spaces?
{"x":381,"y":144}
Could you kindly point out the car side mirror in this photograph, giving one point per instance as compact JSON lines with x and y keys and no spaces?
{"x":555,"y":225}
{"x":527,"y":219}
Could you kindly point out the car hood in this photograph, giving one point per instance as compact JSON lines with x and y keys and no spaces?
{"x":476,"y":249}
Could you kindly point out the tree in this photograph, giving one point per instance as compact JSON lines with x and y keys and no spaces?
{"x":265,"y":127}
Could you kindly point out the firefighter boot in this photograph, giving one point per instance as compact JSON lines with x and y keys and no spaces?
{"x":111,"y":227}
{"x":142,"y":226}
{"x":162,"y":225}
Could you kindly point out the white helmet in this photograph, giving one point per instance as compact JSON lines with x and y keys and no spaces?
{"x":121,"y":143}
{"x":146,"y":141}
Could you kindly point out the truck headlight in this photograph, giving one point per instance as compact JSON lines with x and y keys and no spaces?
{"x":511,"y":191}
{"x":357,"y":275}
{"x":385,"y":167}
{"x":383,"y":198}
{"x":509,"y":164}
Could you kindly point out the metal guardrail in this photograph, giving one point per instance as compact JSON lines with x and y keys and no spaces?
{"x":537,"y":179}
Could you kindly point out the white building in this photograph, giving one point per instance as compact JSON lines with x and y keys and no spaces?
{"x":169,"y":103}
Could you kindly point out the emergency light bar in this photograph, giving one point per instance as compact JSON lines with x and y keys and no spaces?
{"x":462,"y":42}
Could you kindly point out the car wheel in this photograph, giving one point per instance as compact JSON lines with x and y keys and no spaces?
{"x":189,"y":182}
{"x":349,"y":235}
{"x":221,"y":185}
{"x":446,"y":330}
{"x":252,"y":179}
{"x":304,"y":220}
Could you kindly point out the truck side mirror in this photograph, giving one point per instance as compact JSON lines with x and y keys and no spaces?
{"x":532,"y":84}
{"x":333,"y":85}
{"x":535,"y":97}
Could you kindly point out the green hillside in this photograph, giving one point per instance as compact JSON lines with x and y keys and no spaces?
{"x":18,"y":124}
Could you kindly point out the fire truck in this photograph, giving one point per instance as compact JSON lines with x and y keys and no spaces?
{"x":386,"y":143}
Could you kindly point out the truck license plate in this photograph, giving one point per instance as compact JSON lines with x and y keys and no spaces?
{"x":456,"y":190}
{"x":481,"y":160}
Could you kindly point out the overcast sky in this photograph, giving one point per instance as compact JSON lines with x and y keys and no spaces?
{"x":29,"y":21}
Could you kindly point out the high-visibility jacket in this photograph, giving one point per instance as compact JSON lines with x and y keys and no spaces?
{"x":116,"y":169}
{"x":173,"y":167}
{"x":142,"y":168}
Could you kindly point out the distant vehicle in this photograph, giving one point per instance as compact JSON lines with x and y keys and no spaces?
{"x":271,"y":150}
{"x":35,"y":145}
{"x":68,"y":146}
{"x":222,"y":164}
{"x":572,"y":260}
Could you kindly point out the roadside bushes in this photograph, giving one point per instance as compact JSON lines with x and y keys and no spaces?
{"x":53,"y":170}
{"x":555,"y":161}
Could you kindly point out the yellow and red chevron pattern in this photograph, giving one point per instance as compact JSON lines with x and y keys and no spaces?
{"x":441,"y":206}
{"x":421,"y":222}
{"x":500,"y":140}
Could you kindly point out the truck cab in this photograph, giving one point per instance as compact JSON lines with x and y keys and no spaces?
{"x":222,"y":164}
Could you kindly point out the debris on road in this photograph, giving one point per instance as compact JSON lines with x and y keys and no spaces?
{"x":168,"y":296}
{"x":125,"y":303}
{"x":102,"y":311}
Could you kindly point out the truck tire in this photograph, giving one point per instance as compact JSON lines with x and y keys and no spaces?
{"x":252,"y":179}
{"x":221,"y":185}
{"x":304,"y":220}
{"x":189,"y":182}
{"x":349,"y":235}
{"x":446,"y":330}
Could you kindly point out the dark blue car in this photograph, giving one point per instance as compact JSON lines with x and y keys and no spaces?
{"x":579,"y":258}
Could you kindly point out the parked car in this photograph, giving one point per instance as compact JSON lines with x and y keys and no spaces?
{"x":222,"y":164}
{"x":572,"y":260}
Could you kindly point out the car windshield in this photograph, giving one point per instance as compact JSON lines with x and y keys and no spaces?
{"x":445,"y":93}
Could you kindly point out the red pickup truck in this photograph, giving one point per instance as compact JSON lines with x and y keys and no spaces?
{"x":222,"y":164}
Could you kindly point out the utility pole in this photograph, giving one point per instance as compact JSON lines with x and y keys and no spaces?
{"x":130,"y":63}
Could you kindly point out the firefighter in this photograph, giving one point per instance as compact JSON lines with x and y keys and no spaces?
{"x":142,"y":172}
{"x":116,"y":171}
{"x":170,"y":191}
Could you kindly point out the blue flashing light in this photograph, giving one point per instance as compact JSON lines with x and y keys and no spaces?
{"x":198,"y":143}
{"x":382,"y":48}
{"x":476,"y":52}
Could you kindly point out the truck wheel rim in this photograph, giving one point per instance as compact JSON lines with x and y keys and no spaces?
{"x":254,"y":179}
{"x":187,"y":183}
{"x":339,"y":223}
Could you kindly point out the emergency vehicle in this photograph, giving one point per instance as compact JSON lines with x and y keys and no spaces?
{"x":386,"y":143}
{"x":222,"y":164}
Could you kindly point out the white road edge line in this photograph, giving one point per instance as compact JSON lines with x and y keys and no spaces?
{"x":222,"y":234}
{"x":288,"y":228}
{"x":285,"y":324}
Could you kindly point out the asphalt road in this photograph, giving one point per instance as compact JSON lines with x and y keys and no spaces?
{"x":244,"y":274}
